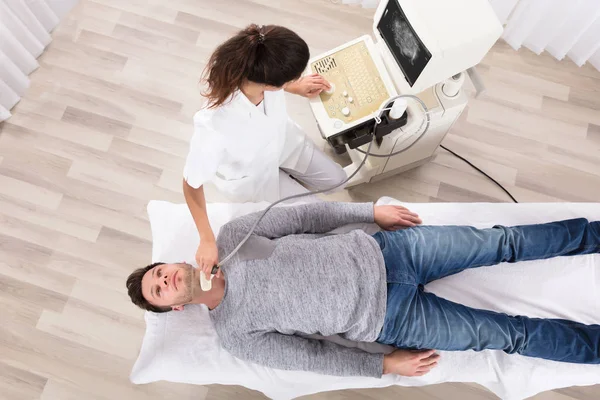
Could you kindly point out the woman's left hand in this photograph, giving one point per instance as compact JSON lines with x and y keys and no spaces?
{"x":308,"y":86}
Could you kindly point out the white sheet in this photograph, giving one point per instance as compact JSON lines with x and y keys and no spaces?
{"x":183,"y":347}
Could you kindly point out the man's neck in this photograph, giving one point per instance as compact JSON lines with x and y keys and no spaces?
{"x":255,"y":92}
{"x":214,"y":296}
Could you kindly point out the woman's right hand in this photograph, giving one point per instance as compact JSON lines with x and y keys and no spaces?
{"x":207,"y":257}
{"x":308,"y":86}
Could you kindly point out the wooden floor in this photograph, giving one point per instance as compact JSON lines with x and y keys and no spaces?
{"x":105,"y":127}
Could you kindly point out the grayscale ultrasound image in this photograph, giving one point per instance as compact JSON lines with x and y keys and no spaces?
{"x":403,"y":42}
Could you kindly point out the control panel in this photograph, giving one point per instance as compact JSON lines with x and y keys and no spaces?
{"x":357,"y":87}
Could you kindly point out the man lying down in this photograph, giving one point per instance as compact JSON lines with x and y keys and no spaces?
{"x":293,"y":279}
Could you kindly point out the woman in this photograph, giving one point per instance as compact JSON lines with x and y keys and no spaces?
{"x":243,"y":136}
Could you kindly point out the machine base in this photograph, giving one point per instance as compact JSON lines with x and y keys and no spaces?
{"x":400,"y":170}
{"x":408,"y":153}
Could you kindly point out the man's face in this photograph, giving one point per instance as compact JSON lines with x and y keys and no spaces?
{"x":169,"y":285}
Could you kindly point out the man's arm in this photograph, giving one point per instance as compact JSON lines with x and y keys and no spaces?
{"x":314,"y":218}
{"x":309,"y":218}
{"x":296,"y":353}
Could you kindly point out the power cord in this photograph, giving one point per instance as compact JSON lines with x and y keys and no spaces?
{"x":492,"y":179}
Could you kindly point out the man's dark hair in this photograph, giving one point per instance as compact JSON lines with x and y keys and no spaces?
{"x":134,"y":288}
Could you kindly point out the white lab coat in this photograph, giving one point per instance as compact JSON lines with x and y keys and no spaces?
{"x":239,"y":148}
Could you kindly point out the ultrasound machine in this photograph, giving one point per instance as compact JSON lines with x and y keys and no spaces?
{"x":421,"y":48}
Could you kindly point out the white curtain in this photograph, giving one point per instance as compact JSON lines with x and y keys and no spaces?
{"x":25,"y":27}
{"x":561,"y":27}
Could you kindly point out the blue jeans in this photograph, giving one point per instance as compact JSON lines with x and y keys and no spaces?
{"x":419,"y":320}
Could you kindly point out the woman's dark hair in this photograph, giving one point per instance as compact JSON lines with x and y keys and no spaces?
{"x":270,"y":54}
{"x":134,"y":289}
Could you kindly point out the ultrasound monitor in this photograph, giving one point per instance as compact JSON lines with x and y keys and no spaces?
{"x":424,"y":42}
{"x":408,"y":50}
{"x":417,"y":45}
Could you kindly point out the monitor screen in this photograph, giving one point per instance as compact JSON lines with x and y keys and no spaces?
{"x":410,"y":53}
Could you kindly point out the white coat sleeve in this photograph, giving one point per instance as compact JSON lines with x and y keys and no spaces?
{"x":204,"y":157}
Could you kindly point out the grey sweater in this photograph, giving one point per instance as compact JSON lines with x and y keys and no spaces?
{"x":291,"y":280}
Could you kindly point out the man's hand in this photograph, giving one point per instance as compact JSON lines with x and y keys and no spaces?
{"x":392,"y":218}
{"x":308,"y":86}
{"x":207,"y":256}
{"x":410,"y":363}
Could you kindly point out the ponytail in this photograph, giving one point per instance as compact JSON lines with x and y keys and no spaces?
{"x":270,"y":55}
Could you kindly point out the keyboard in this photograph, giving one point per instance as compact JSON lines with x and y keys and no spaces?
{"x":358,"y":88}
